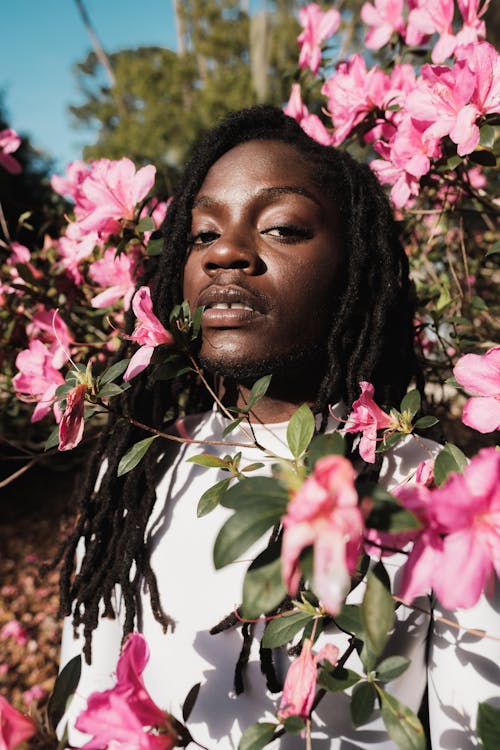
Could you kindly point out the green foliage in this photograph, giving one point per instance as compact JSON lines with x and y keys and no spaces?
{"x":300,"y":430}
{"x":448,"y":460}
{"x":337,"y":680}
{"x":402,"y":725}
{"x":377,"y":610}
{"x":362,"y":703}
{"x":64,"y":690}
{"x":263,"y":587}
{"x":256,"y":736}
{"x":134,"y":455}
{"x":282,"y":629}
{"x":488,"y":726}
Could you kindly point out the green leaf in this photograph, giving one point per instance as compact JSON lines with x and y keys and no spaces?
{"x":155,"y":247}
{"x":403,"y":726}
{"x":389,"y":442}
{"x":112,"y":389}
{"x":448,"y":460}
{"x":478,"y":303}
{"x":134,"y":455}
{"x":300,"y":430}
{"x":241,"y":531}
{"x":377,"y":609}
{"x":294,"y":724}
{"x":392,"y":667}
{"x":362,"y":703}
{"x":196,"y":322}
{"x":146,"y":224}
{"x":52,"y":440}
{"x":411,"y":402}
{"x":113,"y":372}
{"x":263,"y":587}
{"x":62,"y":390}
{"x":349,"y":619}
{"x":337,"y":680}
{"x":454,"y":161}
{"x":207,"y":459}
{"x":282,"y":629}
{"x":64,"y":690}
{"x":259,"y":389}
{"x":232,"y":426}
{"x":212,"y":497}
{"x":486,"y":136}
{"x":387,"y":514}
{"x":325,"y":444}
{"x":495,"y":248}
{"x":253,"y":491}
{"x":257,"y":736}
{"x":190,"y":700}
{"x":485,"y":158}
{"x":425,"y":422}
{"x":253,"y":467}
{"x":488,"y":726}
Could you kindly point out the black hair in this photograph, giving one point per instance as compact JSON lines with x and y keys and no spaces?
{"x":371,"y":338}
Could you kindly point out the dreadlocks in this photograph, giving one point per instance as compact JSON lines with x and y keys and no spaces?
{"x":370,"y":339}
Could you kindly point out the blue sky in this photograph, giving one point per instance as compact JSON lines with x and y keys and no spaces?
{"x":41,"y":41}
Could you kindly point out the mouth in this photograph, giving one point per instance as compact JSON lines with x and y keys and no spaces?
{"x":231,"y":306}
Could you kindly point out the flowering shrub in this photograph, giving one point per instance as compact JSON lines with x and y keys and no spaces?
{"x":426,"y":114}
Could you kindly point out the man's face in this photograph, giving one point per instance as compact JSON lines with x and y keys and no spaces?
{"x":263,"y":259}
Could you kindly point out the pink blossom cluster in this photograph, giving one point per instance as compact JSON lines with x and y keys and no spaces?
{"x":481,"y":375}
{"x":126,"y":716}
{"x":9,"y":142}
{"x":456,"y":552}
{"x":406,"y":116}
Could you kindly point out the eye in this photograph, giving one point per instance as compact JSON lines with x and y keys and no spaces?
{"x":202,"y":238}
{"x":289,"y":233}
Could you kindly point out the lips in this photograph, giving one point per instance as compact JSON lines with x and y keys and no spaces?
{"x":231,"y":306}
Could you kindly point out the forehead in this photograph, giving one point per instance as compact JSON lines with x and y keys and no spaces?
{"x":258,"y":163}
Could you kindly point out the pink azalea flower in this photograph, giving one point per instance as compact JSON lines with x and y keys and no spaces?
{"x":116,"y":273}
{"x":385,"y":17}
{"x":71,"y":424}
{"x":73,"y":248}
{"x":481,"y":374}
{"x":48,"y":326}
{"x":484,"y":62}
{"x":317,"y":26}
{"x":34,"y":694}
{"x":71,"y":184}
{"x":324,"y":513}
{"x":149,"y":332}
{"x":430,"y":17}
{"x":14,"y":726}
{"x":465,"y":510}
{"x":37,"y":379}
{"x":367,"y":417}
{"x":300,"y":682}
{"x":352,"y":92}
{"x":119,"y":717}
{"x":311,"y":124}
{"x":9,"y":142}
{"x":473,"y":28}
{"x":442,"y":100}
{"x":15,"y":630}
{"x":113,"y":189}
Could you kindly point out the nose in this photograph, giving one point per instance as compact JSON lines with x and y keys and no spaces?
{"x":232,"y":251}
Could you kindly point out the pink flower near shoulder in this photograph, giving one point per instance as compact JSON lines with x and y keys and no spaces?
{"x":71,"y":424}
{"x":125,"y":716}
{"x":317,"y":26}
{"x":366,"y":417}
{"x":385,"y":17}
{"x":71,"y":183}
{"x":149,"y":332}
{"x":480,"y":374}
{"x":113,"y":190}
{"x":115,"y":272}
{"x":310,"y":123}
{"x":300,"y":682}
{"x":37,"y":379}
{"x":324,"y":513}
{"x":73,"y":248}
{"x":458,"y":549}
{"x":48,"y":326}
{"x":9,"y":142}
{"x":14,"y":726}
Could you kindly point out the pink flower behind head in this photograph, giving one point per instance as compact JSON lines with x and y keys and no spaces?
{"x":71,"y":183}
{"x":14,"y":726}
{"x":9,"y":142}
{"x":367,"y":417}
{"x":324,"y":513}
{"x":113,"y":189}
{"x":310,"y":123}
{"x":116,"y":273}
{"x":385,"y":17}
{"x":317,"y":26}
{"x":149,"y":332}
{"x":481,"y":375}
{"x":37,"y":379}
{"x":48,"y":327}
{"x":300,"y":682}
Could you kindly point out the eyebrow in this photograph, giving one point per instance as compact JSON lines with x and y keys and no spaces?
{"x":205,"y":201}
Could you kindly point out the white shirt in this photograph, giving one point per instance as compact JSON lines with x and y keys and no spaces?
{"x":461,"y":670}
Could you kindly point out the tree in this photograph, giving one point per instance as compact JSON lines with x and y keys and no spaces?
{"x":162,"y":100}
